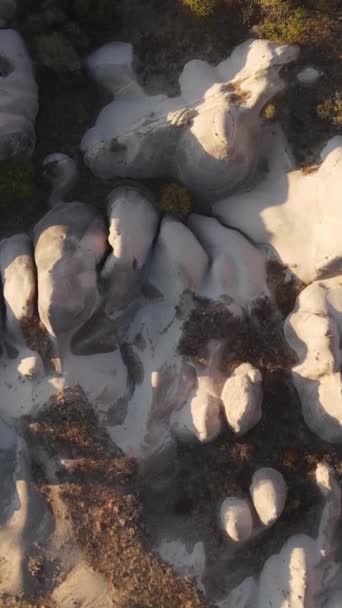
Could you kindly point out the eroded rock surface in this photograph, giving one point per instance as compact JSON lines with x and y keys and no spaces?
{"x":242,"y":398}
{"x":268,"y":492}
{"x":208,"y":137}
{"x":287,"y":206}
{"x":314,"y":331}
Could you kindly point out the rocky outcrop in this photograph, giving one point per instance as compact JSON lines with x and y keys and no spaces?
{"x":236,"y":519}
{"x":268,"y":492}
{"x":242,"y":398}
{"x":208,"y":137}
{"x":314,"y":331}
{"x":288,"y":205}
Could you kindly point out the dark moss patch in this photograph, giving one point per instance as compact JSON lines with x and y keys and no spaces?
{"x":21,"y":197}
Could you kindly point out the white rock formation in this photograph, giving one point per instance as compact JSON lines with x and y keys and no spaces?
{"x":237,"y":272}
{"x":285,"y":207}
{"x":208,"y":137}
{"x":178,"y":265}
{"x":18,"y":283}
{"x":69,"y":242}
{"x":18,"y":97}
{"x":200,"y":417}
{"x":18,"y":278}
{"x":179,"y":262}
{"x":304,"y":574}
{"x":308,"y":76}
{"x":314,"y":331}
{"x":268,"y":491}
{"x":236,"y":519}
{"x":183,"y":262}
{"x":242,"y":398}
{"x":133,"y":223}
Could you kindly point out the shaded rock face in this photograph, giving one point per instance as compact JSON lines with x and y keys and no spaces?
{"x":208,"y":138}
{"x":18,"y":98}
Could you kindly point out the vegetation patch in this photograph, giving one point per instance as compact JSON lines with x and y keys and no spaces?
{"x":98,"y":486}
{"x":256,"y":338}
{"x":291,"y":26}
{"x":201,"y":8}
{"x":17,"y":181}
{"x":269,"y":112}
{"x":330,"y":109}
{"x":176,"y":200}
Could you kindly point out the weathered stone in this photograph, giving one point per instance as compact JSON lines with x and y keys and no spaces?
{"x":268,"y":491}
{"x":236,"y":519}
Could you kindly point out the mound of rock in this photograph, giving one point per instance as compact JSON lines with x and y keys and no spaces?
{"x":236,"y":519}
{"x":242,"y":398}
{"x":268,"y":491}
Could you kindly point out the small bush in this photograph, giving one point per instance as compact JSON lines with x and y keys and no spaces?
{"x":290,"y":27}
{"x":330,"y":109}
{"x":175,"y":199}
{"x":269,"y":112}
{"x":201,"y":8}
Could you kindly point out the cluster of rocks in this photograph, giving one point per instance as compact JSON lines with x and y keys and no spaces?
{"x":268,"y":493}
{"x":240,"y":400}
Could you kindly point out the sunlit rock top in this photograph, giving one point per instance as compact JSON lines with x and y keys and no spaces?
{"x":208,"y":137}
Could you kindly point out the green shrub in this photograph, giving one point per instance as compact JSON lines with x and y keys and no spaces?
{"x":289,"y":27}
{"x":201,"y":8}
{"x":330,"y":109}
{"x":16,"y":181}
{"x":175,"y":199}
